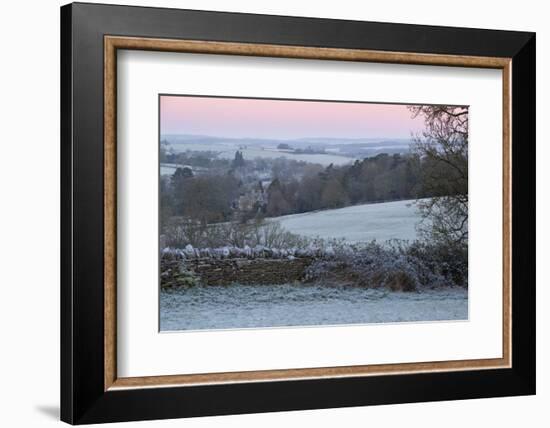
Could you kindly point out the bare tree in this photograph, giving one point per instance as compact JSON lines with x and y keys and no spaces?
{"x":443,"y":149}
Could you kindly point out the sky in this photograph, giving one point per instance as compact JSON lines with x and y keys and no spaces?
{"x":284,"y":119}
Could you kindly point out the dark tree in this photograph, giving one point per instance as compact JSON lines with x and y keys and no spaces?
{"x":334,"y":195}
{"x":443,"y":149}
{"x":165,"y":200}
{"x":238,"y":161}
{"x":276,"y":202}
{"x":205,"y":199}
{"x":308,"y":196}
{"x":179,"y":179}
{"x":183,"y":173}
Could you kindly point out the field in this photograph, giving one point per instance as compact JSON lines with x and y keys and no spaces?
{"x":168,"y":169}
{"x":359,"y":223}
{"x":227,"y":151}
{"x":256,"y":306}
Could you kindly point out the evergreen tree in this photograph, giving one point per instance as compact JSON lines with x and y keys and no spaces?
{"x":238,"y":161}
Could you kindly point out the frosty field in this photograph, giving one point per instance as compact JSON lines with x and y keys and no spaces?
{"x":167,"y":169}
{"x":256,"y":306}
{"x":227,"y":151}
{"x":359,"y":223}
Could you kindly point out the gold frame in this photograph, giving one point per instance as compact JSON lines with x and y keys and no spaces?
{"x":112,"y":43}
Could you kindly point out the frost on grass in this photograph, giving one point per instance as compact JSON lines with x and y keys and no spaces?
{"x":358,"y":223}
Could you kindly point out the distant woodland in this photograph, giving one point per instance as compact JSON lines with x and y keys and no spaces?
{"x":293,"y":186}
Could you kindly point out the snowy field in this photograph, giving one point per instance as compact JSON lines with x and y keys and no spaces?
{"x":256,"y":306}
{"x":168,"y":169}
{"x":227,"y":151}
{"x":359,"y":223}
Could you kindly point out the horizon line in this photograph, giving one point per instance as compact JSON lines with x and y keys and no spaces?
{"x":284,"y":139}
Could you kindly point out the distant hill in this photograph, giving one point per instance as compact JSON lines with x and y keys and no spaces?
{"x":344,"y":146}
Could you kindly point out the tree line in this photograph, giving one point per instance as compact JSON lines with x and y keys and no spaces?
{"x":211,"y":198}
{"x":380,"y":178}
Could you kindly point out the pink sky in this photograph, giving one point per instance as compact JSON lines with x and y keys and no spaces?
{"x":282,"y":119}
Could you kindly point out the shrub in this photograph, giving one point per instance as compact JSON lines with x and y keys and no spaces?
{"x":398,"y":265}
{"x":182,"y":232}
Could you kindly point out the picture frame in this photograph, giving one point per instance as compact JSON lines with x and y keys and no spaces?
{"x":91,"y":390}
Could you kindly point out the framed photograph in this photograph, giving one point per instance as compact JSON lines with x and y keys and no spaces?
{"x":266,"y":213}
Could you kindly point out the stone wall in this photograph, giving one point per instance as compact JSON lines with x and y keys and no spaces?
{"x":212,"y":271}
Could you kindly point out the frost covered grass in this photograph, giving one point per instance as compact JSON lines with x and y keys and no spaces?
{"x":359,"y":223}
{"x":250,"y":306}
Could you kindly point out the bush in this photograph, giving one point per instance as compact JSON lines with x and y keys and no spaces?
{"x":180,"y":233}
{"x":398,"y":266}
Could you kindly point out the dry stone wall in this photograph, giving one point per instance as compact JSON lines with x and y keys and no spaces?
{"x":249,"y":271}
{"x":216,"y":272}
